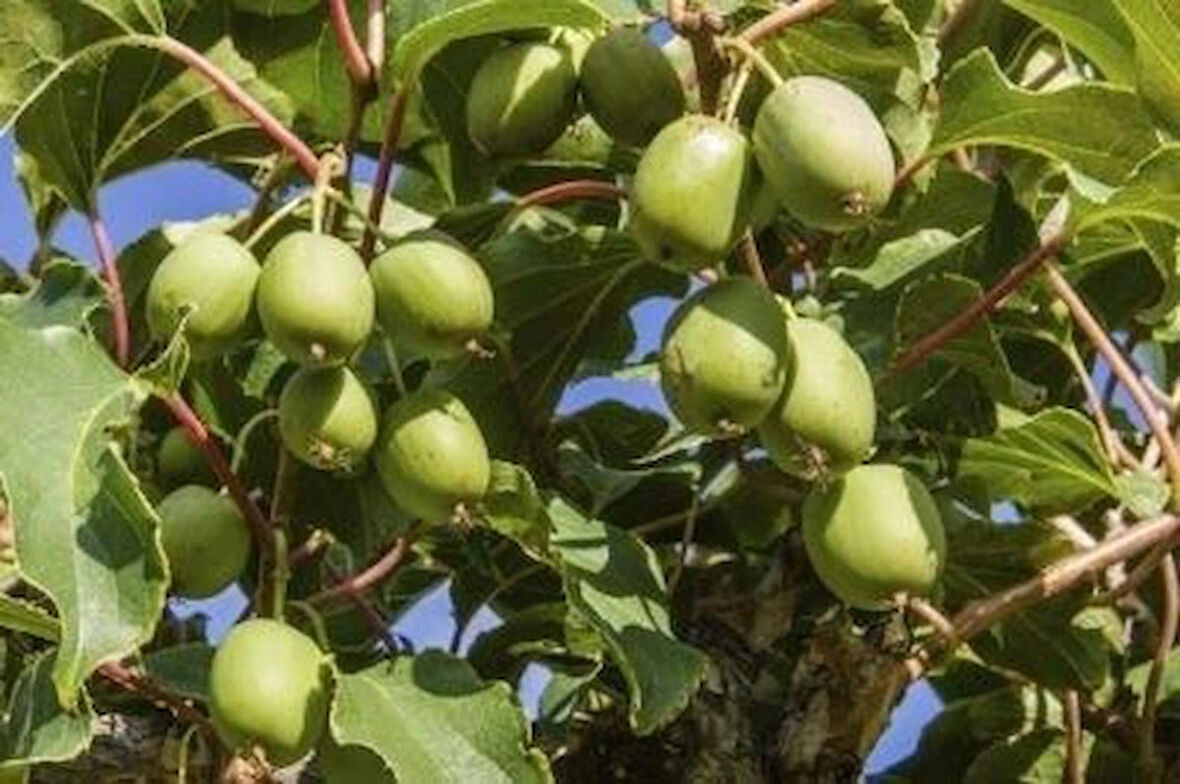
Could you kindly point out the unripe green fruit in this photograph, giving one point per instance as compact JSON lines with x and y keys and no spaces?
{"x":212,"y":277}
{"x":315,"y":299}
{"x":432,"y":297}
{"x":725,"y":357}
{"x":521,"y":99}
{"x":630,"y":86}
{"x":692,"y":193}
{"x":327,"y":419}
{"x":268,"y":686}
{"x":206,"y":541}
{"x":179,"y":461}
{"x":827,"y":416}
{"x":825,"y":153}
{"x":874,"y":533}
{"x":431,"y":455}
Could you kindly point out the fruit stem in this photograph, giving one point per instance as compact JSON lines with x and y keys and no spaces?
{"x":342,"y":199}
{"x":328,"y":166}
{"x":786,"y":15}
{"x":748,"y":250}
{"x":395,"y":367}
{"x":280,"y":574}
{"x":275,"y":218}
{"x":267,"y":122}
{"x":114,"y":288}
{"x":736,"y":92}
{"x":570,"y":190}
{"x":381,"y":570}
{"x":356,"y":61}
{"x":239,"y":451}
{"x":385,"y":160}
{"x":744,"y":48}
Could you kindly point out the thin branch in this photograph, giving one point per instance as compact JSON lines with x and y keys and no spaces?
{"x":114,"y":288}
{"x":980,"y":308}
{"x":381,"y":570}
{"x":1126,"y":374}
{"x":267,"y":122}
{"x":375,"y":35}
{"x":356,"y":61}
{"x":786,"y":15}
{"x":1116,"y":452}
{"x":571,"y":191}
{"x":1148,"y":763}
{"x":1075,"y":768}
{"x":748,"y":250}
{"x":200,"y":437}
{"x":385,"y":160}
{"x":1137,"y":576}
{"x":686,"y":541}
{"x":132,"y":681}
{"x":930,"y":614}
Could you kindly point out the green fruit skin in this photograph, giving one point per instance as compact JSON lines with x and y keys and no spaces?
{"x":692,"y":193}
{"x":432,"y":297}
{"x":431,"y":455}
{"x":178,"y":461}
{"x":874,"y":533}
{"x":630,"y":87}
{"x":213,"y":276}
{"x":827,"y":403}
{"x":206,"y":541}
{"x":823,"y":149}
{"x":315,"y":299}
{"x":327,"y":418}
{"x":521,"y":99}
{"x":269,"y":686}
{"x":724,"y":357}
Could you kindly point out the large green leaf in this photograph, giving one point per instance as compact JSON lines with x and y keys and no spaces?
{"x":65,"y":295}
{"x":1151,"y":193}
{"x":36,"y":728}
{"x":431,"y":719}
{"x":1052,"y":463}
{"x":1156,"y":27}
{"x":92,"y":100}
{"x":1095,"y":28}
{"x":980,"y":106}
{"x":613,"y":579}
{"x":85,"y":534}
{"x":1036,"y":758}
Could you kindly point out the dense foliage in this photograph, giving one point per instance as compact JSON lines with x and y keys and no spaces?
{"x":921,"y":377}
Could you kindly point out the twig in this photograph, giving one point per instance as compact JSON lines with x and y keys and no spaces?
{"x":1126,"y":374}
{"x":1137,"y":576}
{"x":737,"y":89}
{"x":786,"y":15}
{"x":931,"y":615}
{"x":686,"y":540}
{"x":385,"y":160}
{"x":114,"y":288}
{"x":748,"y":250}
{"x":1149,"y":765}
{"x":1116,"y":452}
{"x":570,"y":191}
{"x":267,"y":122}
{"x":199,"y":435}
{"x":1075,"y":769}
{"x":128,"y":679}
{"x":381,"y":570}
{"x":980,"y":308}
{"x":356,"y":61}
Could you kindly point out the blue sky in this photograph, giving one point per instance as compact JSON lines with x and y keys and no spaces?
{"x":189,"y":191}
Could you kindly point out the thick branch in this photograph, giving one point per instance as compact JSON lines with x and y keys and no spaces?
{"x":786,"y":15}
{"x":385,"y":160}
{"x":114,"y":287}
{"x":356,"y":61}
{"x":201,"y":438}
{"x":990,"y":300}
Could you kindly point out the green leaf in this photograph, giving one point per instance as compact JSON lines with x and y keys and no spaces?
{"x":85,"y":534}
{"x":613,"y":579}
{"x":1096,"y":29}
{"x":1052,"y":463}
{"x":182,"y":669}
{"x":1169,"y":691}
{"x":901,"y":259}
{"x":36,"y":728}
{"x":1035,"y":758}
{"x":91,"y":103}
{"x":1144,"y":493}
{"x":431,"y":718}
{"x":65,"y":295}
{"x":514,"y":508}
{"x":19,"y":615}
{"x":1152,"y":192}
{"x":613,"y":432}
{"x":1156,"y":27}
{"x":980,"y":106}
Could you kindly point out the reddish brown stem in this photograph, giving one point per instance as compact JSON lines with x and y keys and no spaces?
{"x":200,"y":437}
{"x":135,"y":682}
{"x":1074,"y":762}
{"x":381,"y":570}
{"x":1149,"y":765}
{"x":385,"y":160}
{"x":786,"y":15}
{"x":114,"y":288}
{"x":1016,"y":276}
{"x":571,"y":191}
{"x":356,"y":61}
{"x":233,"y":91}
